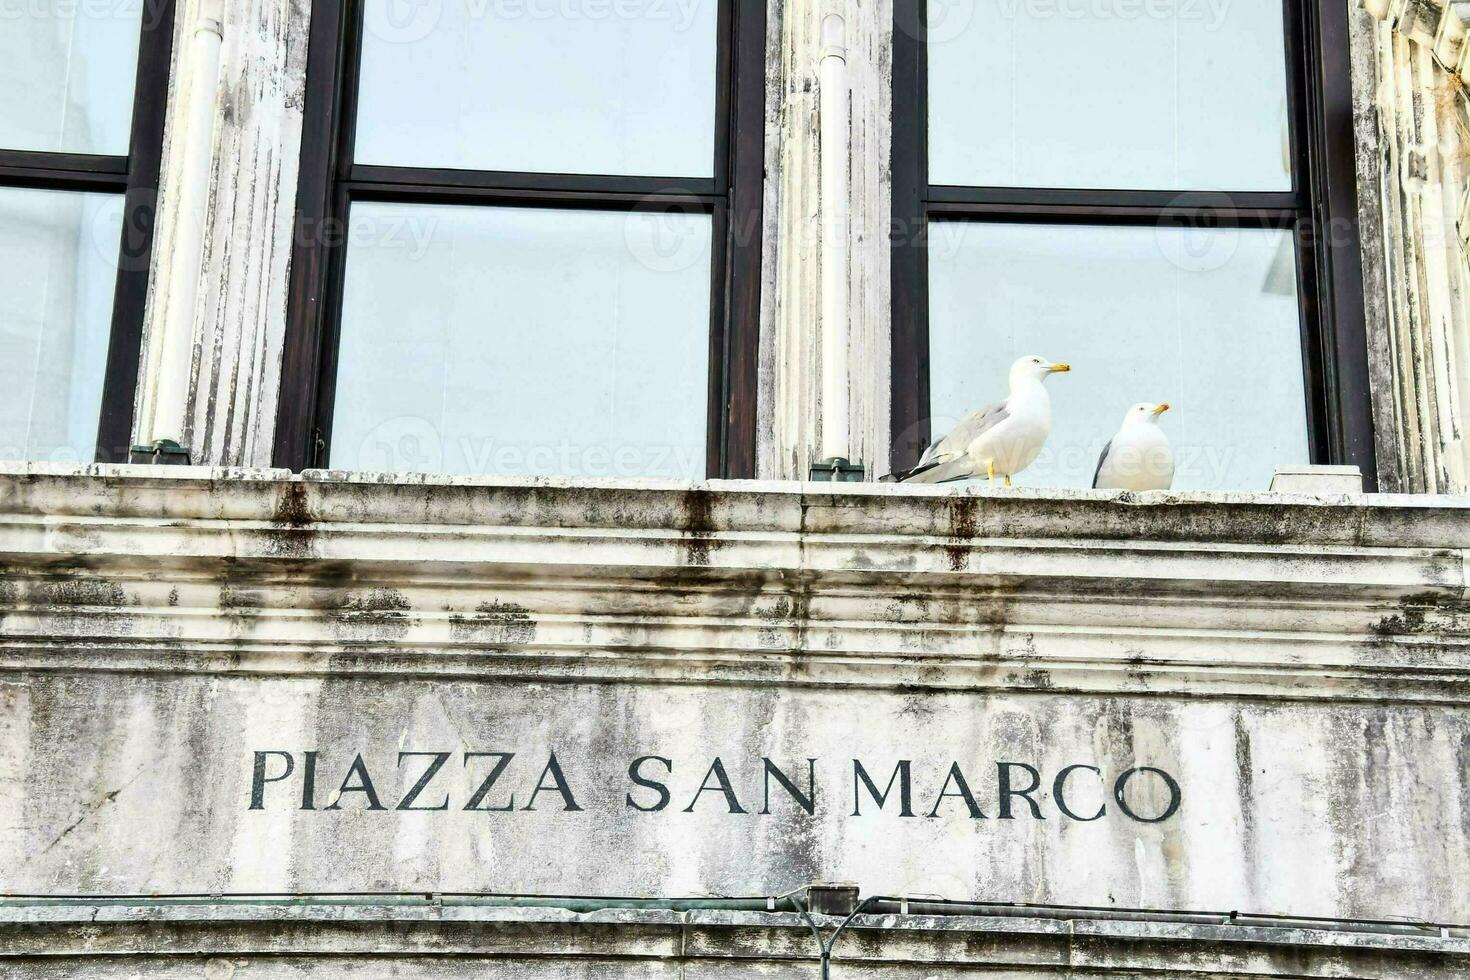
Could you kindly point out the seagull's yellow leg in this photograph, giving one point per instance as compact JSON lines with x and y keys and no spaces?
{"x":1008,"y":481}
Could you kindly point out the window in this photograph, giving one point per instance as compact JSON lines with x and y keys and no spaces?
{"x":82,"y":93}
{"x":528,"y":239}
{"x":1159,"y":192}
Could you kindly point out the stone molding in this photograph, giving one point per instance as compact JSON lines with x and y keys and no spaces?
{"x":696,"y":943}
{"x":185,"y":570}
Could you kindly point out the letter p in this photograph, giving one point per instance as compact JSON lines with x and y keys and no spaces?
{"x":257,"y":784}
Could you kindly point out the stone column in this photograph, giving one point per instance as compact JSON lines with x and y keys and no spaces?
{"x":790,"y":378}
{"x":240,"y":316}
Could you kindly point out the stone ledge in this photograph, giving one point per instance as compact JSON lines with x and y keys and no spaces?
{"x":180,"y":570}
{"x":325,"y":497}
{"x":362,"y":932}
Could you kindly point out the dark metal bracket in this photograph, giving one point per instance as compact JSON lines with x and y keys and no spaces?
{"x":837,"y":470}
{"x":164,"y":452}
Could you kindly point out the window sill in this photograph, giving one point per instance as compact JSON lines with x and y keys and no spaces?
{"x":1358,"y":518}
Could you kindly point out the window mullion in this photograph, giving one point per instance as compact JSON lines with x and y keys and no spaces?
{"x":1103,"y":214}
{"x":424,"y":180}
{"x":1084,"y":198}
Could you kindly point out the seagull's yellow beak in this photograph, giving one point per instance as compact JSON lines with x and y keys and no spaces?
{"x":1059,"y":369}
{"x":1162,"y":409}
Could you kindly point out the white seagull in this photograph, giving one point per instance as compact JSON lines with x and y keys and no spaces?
{"x":1003,"y":438}
{"x":1138,"y":457}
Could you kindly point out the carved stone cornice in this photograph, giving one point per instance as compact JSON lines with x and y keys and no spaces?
{"x":139,"y":569}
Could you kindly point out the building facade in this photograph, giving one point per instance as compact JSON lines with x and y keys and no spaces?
{"x":441,"y":530}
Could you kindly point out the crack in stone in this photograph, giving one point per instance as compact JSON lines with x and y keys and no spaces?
{"x":86,"y":814}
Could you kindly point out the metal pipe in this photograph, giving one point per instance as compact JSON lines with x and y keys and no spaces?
{"x":171,"y":383}
{"x":835,"y":150}
{"x":871,"y":906}
{"x":824,"y":948}
{"x":430,"y":900}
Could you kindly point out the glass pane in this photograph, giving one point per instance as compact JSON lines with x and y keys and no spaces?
{"x":1161,"y":94}
{"x":66,"y":76}
{"x":59,"y":252}
{"x":601,"y":88}
{"x":1204,"y":320}
{"x":524,"y":342}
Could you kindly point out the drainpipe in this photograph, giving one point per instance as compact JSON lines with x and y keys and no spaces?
{"x":164,"y":443}
{"x":835,"y":150}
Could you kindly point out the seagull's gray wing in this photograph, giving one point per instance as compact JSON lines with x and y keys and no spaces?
{"x":1100,"y":460}
{"x":970,"y":428}
{"x":949,"y":451}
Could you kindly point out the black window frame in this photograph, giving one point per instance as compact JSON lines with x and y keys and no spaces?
{"x":330,"y":182}
{"x":134,"y":176}
{"x":1321,"y":210}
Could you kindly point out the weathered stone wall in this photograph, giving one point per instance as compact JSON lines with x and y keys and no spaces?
{"x":1295,"y":666}
{"x":145,"y":784}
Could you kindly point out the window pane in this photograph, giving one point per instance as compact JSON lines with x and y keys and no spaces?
{"x":524,"y":342}
{"x":1204,"y":320}
{"x":1133,"y":94}
{"x":601,"y":88}
{"x":59,"y":252}
{"x":66,"y":76}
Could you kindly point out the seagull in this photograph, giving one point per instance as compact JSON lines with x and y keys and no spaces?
{"x":1138,"y":457}
{"x":1003,"y":438}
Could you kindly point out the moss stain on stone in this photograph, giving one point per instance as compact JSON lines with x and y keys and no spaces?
{"x":963,"y":524}
{"x":496,"y":625}
{"x":695,"y":523}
